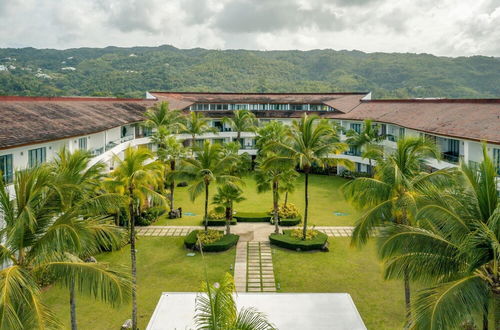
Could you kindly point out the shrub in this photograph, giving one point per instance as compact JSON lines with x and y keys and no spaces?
{"x":218,"y":222}
{"x":209,"y":236}
{"x":149,"y":216}
{"x":223,"y":244}
{"x":182,"y":184}
{"x":252,"y":217}
{"x":288,"y":211}
{"x":290,"y":222}
{"x":310,"y":233}
{"x":214,"y":215}
{"x":287,"y":241}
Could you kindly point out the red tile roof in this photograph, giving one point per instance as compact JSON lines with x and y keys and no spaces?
{"x":28,"y":120}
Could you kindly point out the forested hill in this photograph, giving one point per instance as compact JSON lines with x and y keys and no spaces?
{"x":129,"y":72}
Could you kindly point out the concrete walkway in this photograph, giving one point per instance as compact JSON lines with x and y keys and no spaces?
{"x":250,"y":231}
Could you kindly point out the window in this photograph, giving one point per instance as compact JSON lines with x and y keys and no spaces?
{"x":356,"y":128}
{"x":383,"y":129}
{"x":82,"y":143}
{"x":6,"y":168}
{"x":496,"y":159}
{"x":401,"y":132}
{"x":36,"y":156}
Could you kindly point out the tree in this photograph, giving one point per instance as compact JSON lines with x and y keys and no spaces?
{"x":76,"y":183}
{"x":269,"y":176}
{"x":42,"y":240}
{"x":138,"y":177}
{"x":227,"y":195}
{"x":171,"y":152}
{"x":394,"y":193}
{"x":210,"y":165}
{"x":196,"y":124}
{"x":160,"y":116}
{"x":366,"y":139}
{"x":454,"y":249}
{"x":310,"y":143}
{"x":216,"y":309}
{"x":242,"y":121}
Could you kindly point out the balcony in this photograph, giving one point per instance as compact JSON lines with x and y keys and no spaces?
{"x":111,"y":144}
{"x":451,"y":157}
{"x":96,"y":151}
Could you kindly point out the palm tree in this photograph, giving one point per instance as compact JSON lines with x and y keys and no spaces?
{"x":42,"y":240}
{"x":227,"y":195}
{"x":160,"y":116}
{"x":172,"y":152}
{"x":366,"y":139}
{"x":288,"y":186}
{"x":138,"y":176}
{"x":210,"y":165}
{"x":197,"y":124}
{"x":455,"y":249}
{"x":394,"y":193}
{"x":216,"y":309}
{"x":310,"y":143}
{"x":269,"y":176}
{"x":242,"y":121}
{"x":76,"y":182}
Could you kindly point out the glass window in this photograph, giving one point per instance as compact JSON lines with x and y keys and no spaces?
{"x":82,"y":143}
{"x":496,"y":159}
{"x":401,"y":132}
{"x":356,"y":128}
{"x":6,"y":168}
{"x":36,"y":156}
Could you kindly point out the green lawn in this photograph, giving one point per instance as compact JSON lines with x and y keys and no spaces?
{"x":162,"y":266}
{"x":324,"y":199}
{"x":344,"y":269}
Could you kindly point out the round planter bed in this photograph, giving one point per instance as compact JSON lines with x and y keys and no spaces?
{"x":223,"y":244}
{"x":218,"y":222}
{"x":252,"y":217}
{"x":287,"y":241}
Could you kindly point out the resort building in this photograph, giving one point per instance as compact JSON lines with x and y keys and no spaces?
{"x":33,"y":129}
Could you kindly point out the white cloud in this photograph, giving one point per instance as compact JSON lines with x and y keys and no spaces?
{"x":441,"y":27}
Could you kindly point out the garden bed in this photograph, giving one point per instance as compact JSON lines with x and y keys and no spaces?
{"x":223,"y":244}
{"x":252,"y":217}
{"x":218,"y":222}
{"x":287,"y":241}
{"x":290,"y":222}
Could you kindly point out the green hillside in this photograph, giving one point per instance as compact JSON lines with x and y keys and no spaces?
{"x":129,"y":72}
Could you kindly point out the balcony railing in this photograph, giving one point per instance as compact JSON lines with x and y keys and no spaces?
{"x":96,"y":151}
{"x":111,"y":144}
{"x":451,"y":158}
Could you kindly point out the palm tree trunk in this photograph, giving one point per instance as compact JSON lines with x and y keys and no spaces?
{"x":275,"y":208}
{"x":286,"y":198}
{"x":496,"y":310}
{"x":229,"y":212}
{"x":406,"y":280}
{"x":172,"y":187}
{"x":206,"y":206}
{"x":306,"y":200}
{"x":72,"y":304}
{"x":238,"y":138}
{"x":133,"y":261}
{"x":485,"y":319}
{"x":370,"y":168}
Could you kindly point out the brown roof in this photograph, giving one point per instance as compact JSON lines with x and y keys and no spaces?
{"x":27,"y":120}
{"x":475,"y":119}
{"x":341,"y":101}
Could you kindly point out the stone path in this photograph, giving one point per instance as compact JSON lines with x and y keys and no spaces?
{"x":247,"y":231}
{"x":260,"y":272}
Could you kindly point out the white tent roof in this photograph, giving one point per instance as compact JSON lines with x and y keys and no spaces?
{"x":287,"y":311}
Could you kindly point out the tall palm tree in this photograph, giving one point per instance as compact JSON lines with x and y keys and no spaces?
{"x":138,"y":176}
{"x":76,"y":182}
{"x":226,"y":196}
{"x":172,"y":152}
{"x":209,"y":166}
{"x":365,"y":139}
{"x":242,"y":121}
{"x":160,"y":116}
{"x":40,"y":239}
{"x":269,"y":176}
{"x":196,"y":124}
{"x":394,"y":193}
{"x":455,"y":249}
{"x":216,"y":309}
{"x":310,"y":143}
{"x":288,"y":185}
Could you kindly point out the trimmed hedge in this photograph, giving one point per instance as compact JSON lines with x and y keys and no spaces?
{"x":286,"y":241}
{"x":290,"y":222}
{"x":218,"y":222}
{"x":252,"y":217}
{"x":225,"y":243}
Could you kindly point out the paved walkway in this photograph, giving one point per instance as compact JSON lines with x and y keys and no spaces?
{"x":248,"y":231}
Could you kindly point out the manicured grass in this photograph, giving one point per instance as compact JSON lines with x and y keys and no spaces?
{"x":324,"y":199}
{"x":162,"y":266}
{"x":344,"y":269}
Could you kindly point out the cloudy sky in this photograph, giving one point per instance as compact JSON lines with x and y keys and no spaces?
{"x":441,"y":27}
